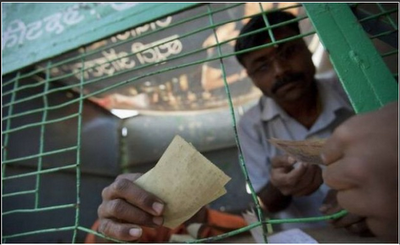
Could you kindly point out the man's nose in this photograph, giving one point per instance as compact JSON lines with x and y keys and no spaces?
{"x":280,"y":66}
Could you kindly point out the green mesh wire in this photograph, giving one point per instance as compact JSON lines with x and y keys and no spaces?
{"x":24,"y":111}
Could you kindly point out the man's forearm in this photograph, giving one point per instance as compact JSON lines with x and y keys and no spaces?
{"x":272,"y":199}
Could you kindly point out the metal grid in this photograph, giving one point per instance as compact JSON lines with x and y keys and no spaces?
{"x":23,"y":111}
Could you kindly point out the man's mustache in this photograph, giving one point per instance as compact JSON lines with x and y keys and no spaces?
{"x":289,"y":78}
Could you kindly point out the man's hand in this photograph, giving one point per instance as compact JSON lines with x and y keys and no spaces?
{"x":126,"y":207}
{"x":362,"y":159}
{"x":295,"y":181}
{"x":351,"y":222}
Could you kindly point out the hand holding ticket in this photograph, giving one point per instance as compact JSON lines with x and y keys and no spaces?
{"x":185,"y":180}
{"x":303,"y":151}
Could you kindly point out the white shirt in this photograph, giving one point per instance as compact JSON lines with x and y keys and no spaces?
{"x":266,"y":120}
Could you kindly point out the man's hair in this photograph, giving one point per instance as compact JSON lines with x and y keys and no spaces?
{"x":257,"y":22}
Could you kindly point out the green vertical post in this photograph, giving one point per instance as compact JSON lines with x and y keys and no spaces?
{"x":364,"y":75}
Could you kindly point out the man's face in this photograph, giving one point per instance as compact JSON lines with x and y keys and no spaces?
{"x":284,"y":73}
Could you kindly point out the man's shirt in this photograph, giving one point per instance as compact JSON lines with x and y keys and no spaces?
{"x":267,"y":120}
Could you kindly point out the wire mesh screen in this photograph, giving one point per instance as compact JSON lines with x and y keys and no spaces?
{"x":181,"y":63}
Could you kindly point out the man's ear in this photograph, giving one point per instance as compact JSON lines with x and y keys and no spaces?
{"x":243,"y":73}
{"x":244,"y":69}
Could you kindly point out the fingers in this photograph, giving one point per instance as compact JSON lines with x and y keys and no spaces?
{"x":330,"y":204}
{"x":349,"y":199}
{"x":123,"y":188}
{"x":120,"y":231}
{"x":330,"y":198}
{"x":353,"y":223}
{"x":119,"y":209}
{"x":309,"y":182}
{"x":339,"y":175}
{"x":333,"y":148}
{"x":296,"y":181}
{"x":282,"y":162}
{"x":347,"y":221}
{"x":328,"y":208}
{"x":126,"y":207}
{"x":303,"y":177}
{"x":302,"y":180}
{"x":360,"y":228}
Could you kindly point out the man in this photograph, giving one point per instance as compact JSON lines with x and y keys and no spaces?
{"x":294,"y":106}
{"x":127,"y":210}
{"x":362,"y":159}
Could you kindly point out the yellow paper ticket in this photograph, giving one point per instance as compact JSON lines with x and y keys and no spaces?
{"x":185,"y":180}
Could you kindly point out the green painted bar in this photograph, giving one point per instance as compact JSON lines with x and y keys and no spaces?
{"x":365,"y":77}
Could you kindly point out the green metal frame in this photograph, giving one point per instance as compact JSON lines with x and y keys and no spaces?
{"x":365,"y":77}
{"x":99,"y":22}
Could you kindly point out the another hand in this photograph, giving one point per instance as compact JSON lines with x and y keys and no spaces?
{"x":300,"y":181}
{"x":351,"y":222}
{"x":126,"y":207}
{"x":362,"y":159}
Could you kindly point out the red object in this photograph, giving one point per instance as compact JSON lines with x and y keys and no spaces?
{"x":218,"y":223}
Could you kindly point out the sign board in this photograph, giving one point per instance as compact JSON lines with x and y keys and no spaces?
{"x":138,"y":68}
{"x":171,"y":62}
{"x":35,"y":31}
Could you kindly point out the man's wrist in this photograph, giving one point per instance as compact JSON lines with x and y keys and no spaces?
{"x":273,"y":199}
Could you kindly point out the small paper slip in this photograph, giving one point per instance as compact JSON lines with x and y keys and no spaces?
{"x":288,"y":236}
{"x":257,"y":232}
{"x":291,"y":236}
{"x":185,"y":180}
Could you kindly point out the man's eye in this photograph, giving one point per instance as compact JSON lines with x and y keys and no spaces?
{"x":262,"y":68}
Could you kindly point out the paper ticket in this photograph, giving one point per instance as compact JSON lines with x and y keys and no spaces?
{"x":185,"y":180}
{"x":303,"y":151}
